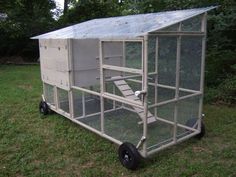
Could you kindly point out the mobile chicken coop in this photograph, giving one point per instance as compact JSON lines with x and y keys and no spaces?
{"x":135,"y":80}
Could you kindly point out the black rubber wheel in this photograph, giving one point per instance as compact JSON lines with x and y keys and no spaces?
{"x":129,"y":156}
{"x":203,"y":131}
{"x":43,"y":108}
{"x":192,"y":122}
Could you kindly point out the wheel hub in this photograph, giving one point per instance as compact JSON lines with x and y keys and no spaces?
{"x":126,"y":158}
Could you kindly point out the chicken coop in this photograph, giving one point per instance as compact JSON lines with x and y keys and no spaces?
{"x":135,"y":80}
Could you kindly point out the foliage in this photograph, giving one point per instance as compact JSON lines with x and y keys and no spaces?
{"x":85,"y":10}
{"x":228,"y":90}
{"x":220,"y":65}
{"x":224,"y":93}
{"x":25,"y":19}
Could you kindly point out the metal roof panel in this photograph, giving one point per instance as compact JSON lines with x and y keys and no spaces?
{"x":130,"y":26}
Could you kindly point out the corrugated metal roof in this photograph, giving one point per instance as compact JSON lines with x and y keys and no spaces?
{"x":124,"y":26}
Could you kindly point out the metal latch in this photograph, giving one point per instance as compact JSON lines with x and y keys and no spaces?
{"x":138,"y":92}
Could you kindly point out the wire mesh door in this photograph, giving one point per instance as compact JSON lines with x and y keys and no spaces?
{"x":122,"y":70}
{"x":122,"y":84}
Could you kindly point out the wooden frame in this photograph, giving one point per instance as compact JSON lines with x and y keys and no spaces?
{"x":143,"y":72}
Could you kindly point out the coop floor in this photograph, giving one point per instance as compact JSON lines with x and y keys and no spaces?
{"x":122,"y":125}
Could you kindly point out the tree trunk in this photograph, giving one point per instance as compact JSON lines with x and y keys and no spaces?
{"x":65,"y":6}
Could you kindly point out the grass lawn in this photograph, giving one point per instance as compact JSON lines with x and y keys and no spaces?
{"x":54,"y":146}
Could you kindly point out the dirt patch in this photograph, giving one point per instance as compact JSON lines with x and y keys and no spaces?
{"x":201,"y":149}
{"x":26,"y":87}
{"x":87,"y":165}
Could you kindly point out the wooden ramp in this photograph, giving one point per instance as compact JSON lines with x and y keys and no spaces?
{"x":129,"y":93}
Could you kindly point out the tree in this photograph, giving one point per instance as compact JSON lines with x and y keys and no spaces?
{"x":66,"y":2}
{"x":26,"y":18}
{"x":87,"y":9}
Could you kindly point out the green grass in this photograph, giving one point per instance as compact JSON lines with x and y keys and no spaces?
{"x":54,"y":146}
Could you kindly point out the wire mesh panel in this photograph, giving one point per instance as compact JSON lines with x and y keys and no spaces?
{"x":192,"y":24}
{"x":92,"y":103}
{"x":165,"y":111}
{"x":164,"y":94}
{"x":124,"y":54}
{"x":122,"y":84}
{"x":184,"y":93}
{"x":113,"y":53}
{"x":167,"y":60}
{"x":87,"y":108}
{"x":95,"y":88}
{"x":162,"y":60}
{"x":188,"y":109}
{"x":188,"y":112}
{"x":152,"y":53}
{"x":190,"y":62}
{"x":133,"y":55}
{"x":49,"y":94}
{"x":171,"y":28}
{"x":77,"y":103}
{"x":158,"y":94}
{"x":93,"y":120}
{"x":123,"y":124}
{"x":162,"y":86}
{"x":63,"y":100}
{"x":160,"y":133}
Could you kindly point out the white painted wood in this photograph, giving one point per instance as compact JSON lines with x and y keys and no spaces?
{"x":129,"y":93}
{"x":54,"y":62}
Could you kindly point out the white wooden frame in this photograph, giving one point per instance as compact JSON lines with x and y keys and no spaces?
{"x":143,"y":72}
